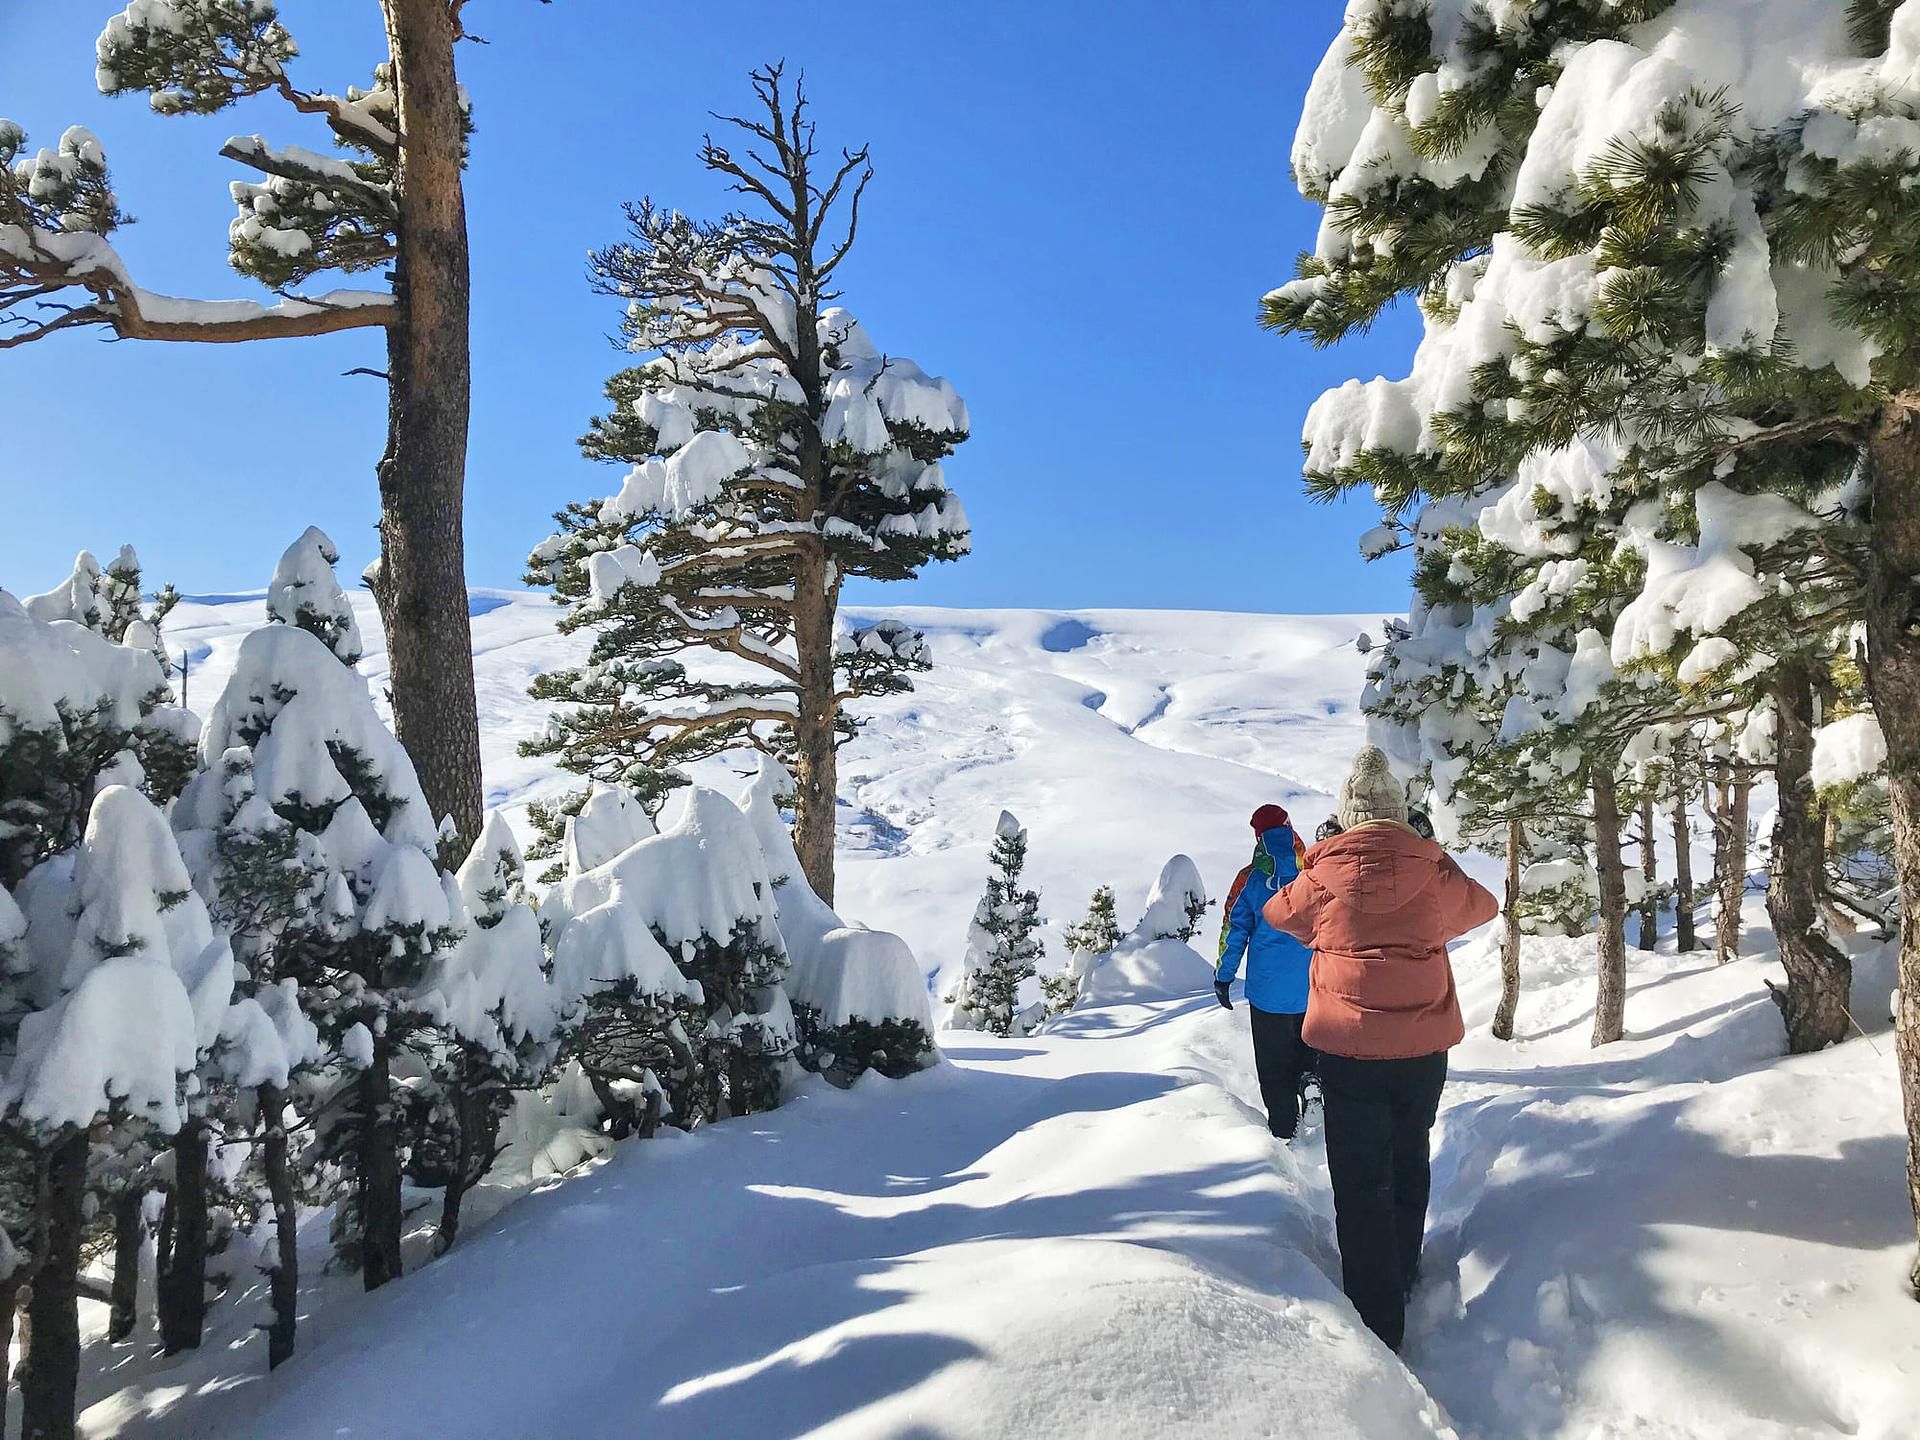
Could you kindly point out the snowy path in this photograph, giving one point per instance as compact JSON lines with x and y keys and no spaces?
{"x":1089,"y":1233}
{"x":1078,"y":1234}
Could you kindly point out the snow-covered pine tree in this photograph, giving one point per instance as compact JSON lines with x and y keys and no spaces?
{"x":78,"y":598}
{"x":1605,"y":315}
{"x":667,"y":963}
{"x":307,"y":216}
{"x":498,"y":1010}
{"x":1097,"y":933}
{"x":776,"y":452}
{"x":859,"y":999}
{"x":306,"y":593}
{"x":322,"y":850}
{"x":119,"y":989}
{"x":1176,"y":905}
{"x":1003,"y":940}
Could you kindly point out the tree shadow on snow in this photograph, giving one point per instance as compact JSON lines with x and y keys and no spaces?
{"x":1620,"y":1189}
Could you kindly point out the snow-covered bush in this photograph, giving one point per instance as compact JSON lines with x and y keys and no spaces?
{"x":498,"y":1013}
{"x":667,"y":963}
{"x":859,"y":1000}
{"x":305,"y":592}
{"x":1558,"y":897}
{"x":1098,"y":933}
{"x":1003,"y":940}
{"x":1176,"y":905}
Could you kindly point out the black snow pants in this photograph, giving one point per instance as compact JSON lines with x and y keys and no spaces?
{"x":1283,"y":1061}
{"x":1378,"y":1115}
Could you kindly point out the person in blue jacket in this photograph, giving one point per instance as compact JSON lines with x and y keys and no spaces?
{"x":1276,"y":988}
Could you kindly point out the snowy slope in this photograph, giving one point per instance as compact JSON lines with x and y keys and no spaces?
{"x":1119,"y":738}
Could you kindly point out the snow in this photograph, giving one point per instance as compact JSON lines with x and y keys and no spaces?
{"x":125,"y":1034}
{"x":611,"y":821}
{"x":1142,"y":968}
{"x":1697,"y":589}
{"x":1178,"y":887}
{"x":1684,"y":1235}
{"x":46,"y":668}
{"x":845,"y":972}
{"x":1849,"y":749}
{"x":305,"y":592}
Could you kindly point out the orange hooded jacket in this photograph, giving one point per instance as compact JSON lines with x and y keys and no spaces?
{"x":1378,"y":905}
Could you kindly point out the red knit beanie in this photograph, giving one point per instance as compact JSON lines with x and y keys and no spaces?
{"x":1268,"y":817}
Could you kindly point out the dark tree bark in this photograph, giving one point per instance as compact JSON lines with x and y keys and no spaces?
{"x":1893,"y":679}
{"x":1685,"y":936}
{"x":421,"y":583}
{"x":382,"y":1217}
{"x":1503,"y":1017}
{"x":180,"y":1292}
{"x":477,"y":1114}
{"x":1730,"y":856}
{"x":816,"y":728}
{"x":1650,"y":874}
{"x":129,"y":1230}
{"x":1610,"y":1001}
{"x":284,"y":1283}
{"x":1816,"y":1001}
{"x":50,"y":1379}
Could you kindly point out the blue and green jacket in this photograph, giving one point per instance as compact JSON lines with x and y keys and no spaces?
{"x":1276,"y":962}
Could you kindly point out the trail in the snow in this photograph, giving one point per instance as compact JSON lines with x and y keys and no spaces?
{"x":1085,"y":1233}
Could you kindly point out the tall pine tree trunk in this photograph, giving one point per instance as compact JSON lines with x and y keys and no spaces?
{"x":1893,"y":679}
{"x":50,"y":1381}
{"x":1815,"y":1003}
{"x":1730,"y":857}
{"x":381,"y":1215}
{"x":284,"y":1282}
{"x":1650,"y":876}
{"x":815,"y":729}
{"x":180,"y":1294}
{"x":129,"y":1230}
{"x":421,"y":583}
{"x":1610,"y":1001}
{"x":1685,"y":938}
{"x":1503,"y":1017}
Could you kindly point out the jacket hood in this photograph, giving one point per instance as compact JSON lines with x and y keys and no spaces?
{"x":1277,"y":844}
{"x":1375,"y":868}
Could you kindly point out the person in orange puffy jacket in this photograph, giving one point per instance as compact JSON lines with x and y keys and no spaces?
{"x":1378,"y":905}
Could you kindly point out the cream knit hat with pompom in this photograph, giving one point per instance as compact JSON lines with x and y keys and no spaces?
{"x":1372,"y":792}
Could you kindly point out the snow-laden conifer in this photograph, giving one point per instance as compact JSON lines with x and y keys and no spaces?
{"x":305,"y":592}
{"x":316,"y":840}
{"x":859,"y":1000}
{"x":667,"y":964}
{"x":302,"y":221}
{"x":1097,"y":933}
{"x":775,"y":451}
{"x":498,"y":1010}
{"x":1003,"y":940}
{"x":1690,"y":258}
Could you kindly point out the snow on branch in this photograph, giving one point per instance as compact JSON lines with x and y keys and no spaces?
{"x":59,"y":268}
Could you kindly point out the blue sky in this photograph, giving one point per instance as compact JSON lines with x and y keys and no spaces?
{"x":1076,"y":209}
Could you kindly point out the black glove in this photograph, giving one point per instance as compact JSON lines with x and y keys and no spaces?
{"x":1223,"y":989}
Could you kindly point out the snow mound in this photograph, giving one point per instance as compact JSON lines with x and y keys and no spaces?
{"x":1139,"y":972}
{"x":858,"y":974}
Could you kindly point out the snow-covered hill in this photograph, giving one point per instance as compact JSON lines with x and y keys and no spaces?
{"x":1119,"y":738}
{"x":1088,"y":1232}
